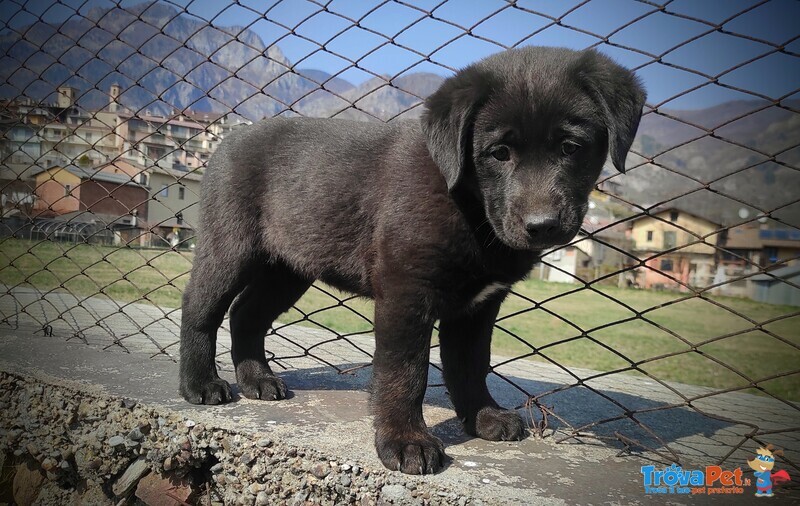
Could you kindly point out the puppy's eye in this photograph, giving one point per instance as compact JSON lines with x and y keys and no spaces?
{"x":501,"y":153}
{"x":569,"y":148}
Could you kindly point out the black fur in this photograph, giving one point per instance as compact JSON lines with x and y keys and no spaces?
{"x":433,"y":219}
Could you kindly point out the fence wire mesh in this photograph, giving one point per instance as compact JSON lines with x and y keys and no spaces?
{"x":684,"y":279}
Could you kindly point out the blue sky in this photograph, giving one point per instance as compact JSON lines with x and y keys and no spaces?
{"x":776,"y":21}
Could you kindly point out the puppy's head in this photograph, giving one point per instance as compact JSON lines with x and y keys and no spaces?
{"x":527,"y":131}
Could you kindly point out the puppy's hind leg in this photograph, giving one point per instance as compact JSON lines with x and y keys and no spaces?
{"x":270,"y":293}
{"x":218,"y":274}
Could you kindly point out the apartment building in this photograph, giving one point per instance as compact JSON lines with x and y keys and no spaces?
{"x":162,"y":154}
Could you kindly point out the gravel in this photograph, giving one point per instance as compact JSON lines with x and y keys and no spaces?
{"x":94,"y":449}
{"x":396,"y":493}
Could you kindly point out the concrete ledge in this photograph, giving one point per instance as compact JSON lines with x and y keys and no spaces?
{"x":703,"y":434}
{"x":65,"y":401}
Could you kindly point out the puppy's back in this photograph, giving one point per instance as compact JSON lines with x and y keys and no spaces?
{"x":305,"y":190}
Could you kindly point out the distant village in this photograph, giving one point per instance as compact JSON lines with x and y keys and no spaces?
{"x":121,"y":177}
{"x":111,"y":175}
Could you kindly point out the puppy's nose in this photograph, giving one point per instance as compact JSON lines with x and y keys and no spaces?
{"x":540,"y":226}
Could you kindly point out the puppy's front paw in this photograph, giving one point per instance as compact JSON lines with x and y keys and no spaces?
{"x":415,"y":453}
{"x":213,"y":391}
{"x":496,"y":424}
{"x":257,"y":381}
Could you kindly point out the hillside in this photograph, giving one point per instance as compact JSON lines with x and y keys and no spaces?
{"x":719,"y":161}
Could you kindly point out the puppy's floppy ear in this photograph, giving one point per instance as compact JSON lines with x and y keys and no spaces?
{"x":619,"y":94}
{"x":448,"y":118}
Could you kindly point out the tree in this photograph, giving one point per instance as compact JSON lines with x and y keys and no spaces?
{"x":85,"y":161}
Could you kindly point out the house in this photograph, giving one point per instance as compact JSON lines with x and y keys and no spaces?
{"x":173,"y":208}
{"x":137,"y":173}
{"x":115,"y":198}
{"x":21,"y":120}
{"x":751,"y":248}
{"x":173,"y":194}
{"x":588,"y":257}
{"x":77,"y":135}
{"x":44,"y":134}
{"x":596,"y":250}
{"x":562,"y":264}
{"x":184,"y":141}
{"x":678,"y":249}
{"x":61,"y":135}
{"x":50,"y":134}
{"x":759,"y":245}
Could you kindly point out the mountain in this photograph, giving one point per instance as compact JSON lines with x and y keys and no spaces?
{"x":379,"y":97}
{"x":334,"y":84}
{"x":165,"y":61}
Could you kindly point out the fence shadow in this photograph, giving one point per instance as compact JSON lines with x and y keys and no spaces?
{"x":579,"y":406}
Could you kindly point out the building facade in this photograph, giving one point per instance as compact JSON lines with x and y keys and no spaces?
{"x":72,"y":189}
{"x":678,"y":249}
{"x":162,"y":155}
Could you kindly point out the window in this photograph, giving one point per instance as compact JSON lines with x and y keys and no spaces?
{"x":181,"y":193}
{"x":649,"y":236}
{"x":673,"y":216}
{"x":669,"y":240}
{"x":164,"y":191}
{"x":67,"y":189}
{"x":737,"y":255}
{"x":772,"y":254}
{"x":143,"y":178}
{"x":156,"y":152}
{"x":666,"y":265}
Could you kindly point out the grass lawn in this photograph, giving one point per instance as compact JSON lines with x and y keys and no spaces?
{"x":599,"y":324}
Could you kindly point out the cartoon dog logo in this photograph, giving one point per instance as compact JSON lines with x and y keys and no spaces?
{"x":762,"y":465}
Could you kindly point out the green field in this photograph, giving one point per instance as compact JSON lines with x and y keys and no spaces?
{"x":158,"y":276}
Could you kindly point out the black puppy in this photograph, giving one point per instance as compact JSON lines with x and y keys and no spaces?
{"x":435,"y":220}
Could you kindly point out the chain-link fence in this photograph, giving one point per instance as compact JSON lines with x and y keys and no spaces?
{"x":679,"y":297}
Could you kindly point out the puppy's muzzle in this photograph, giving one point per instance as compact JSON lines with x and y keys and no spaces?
{"x":542,"y":227}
